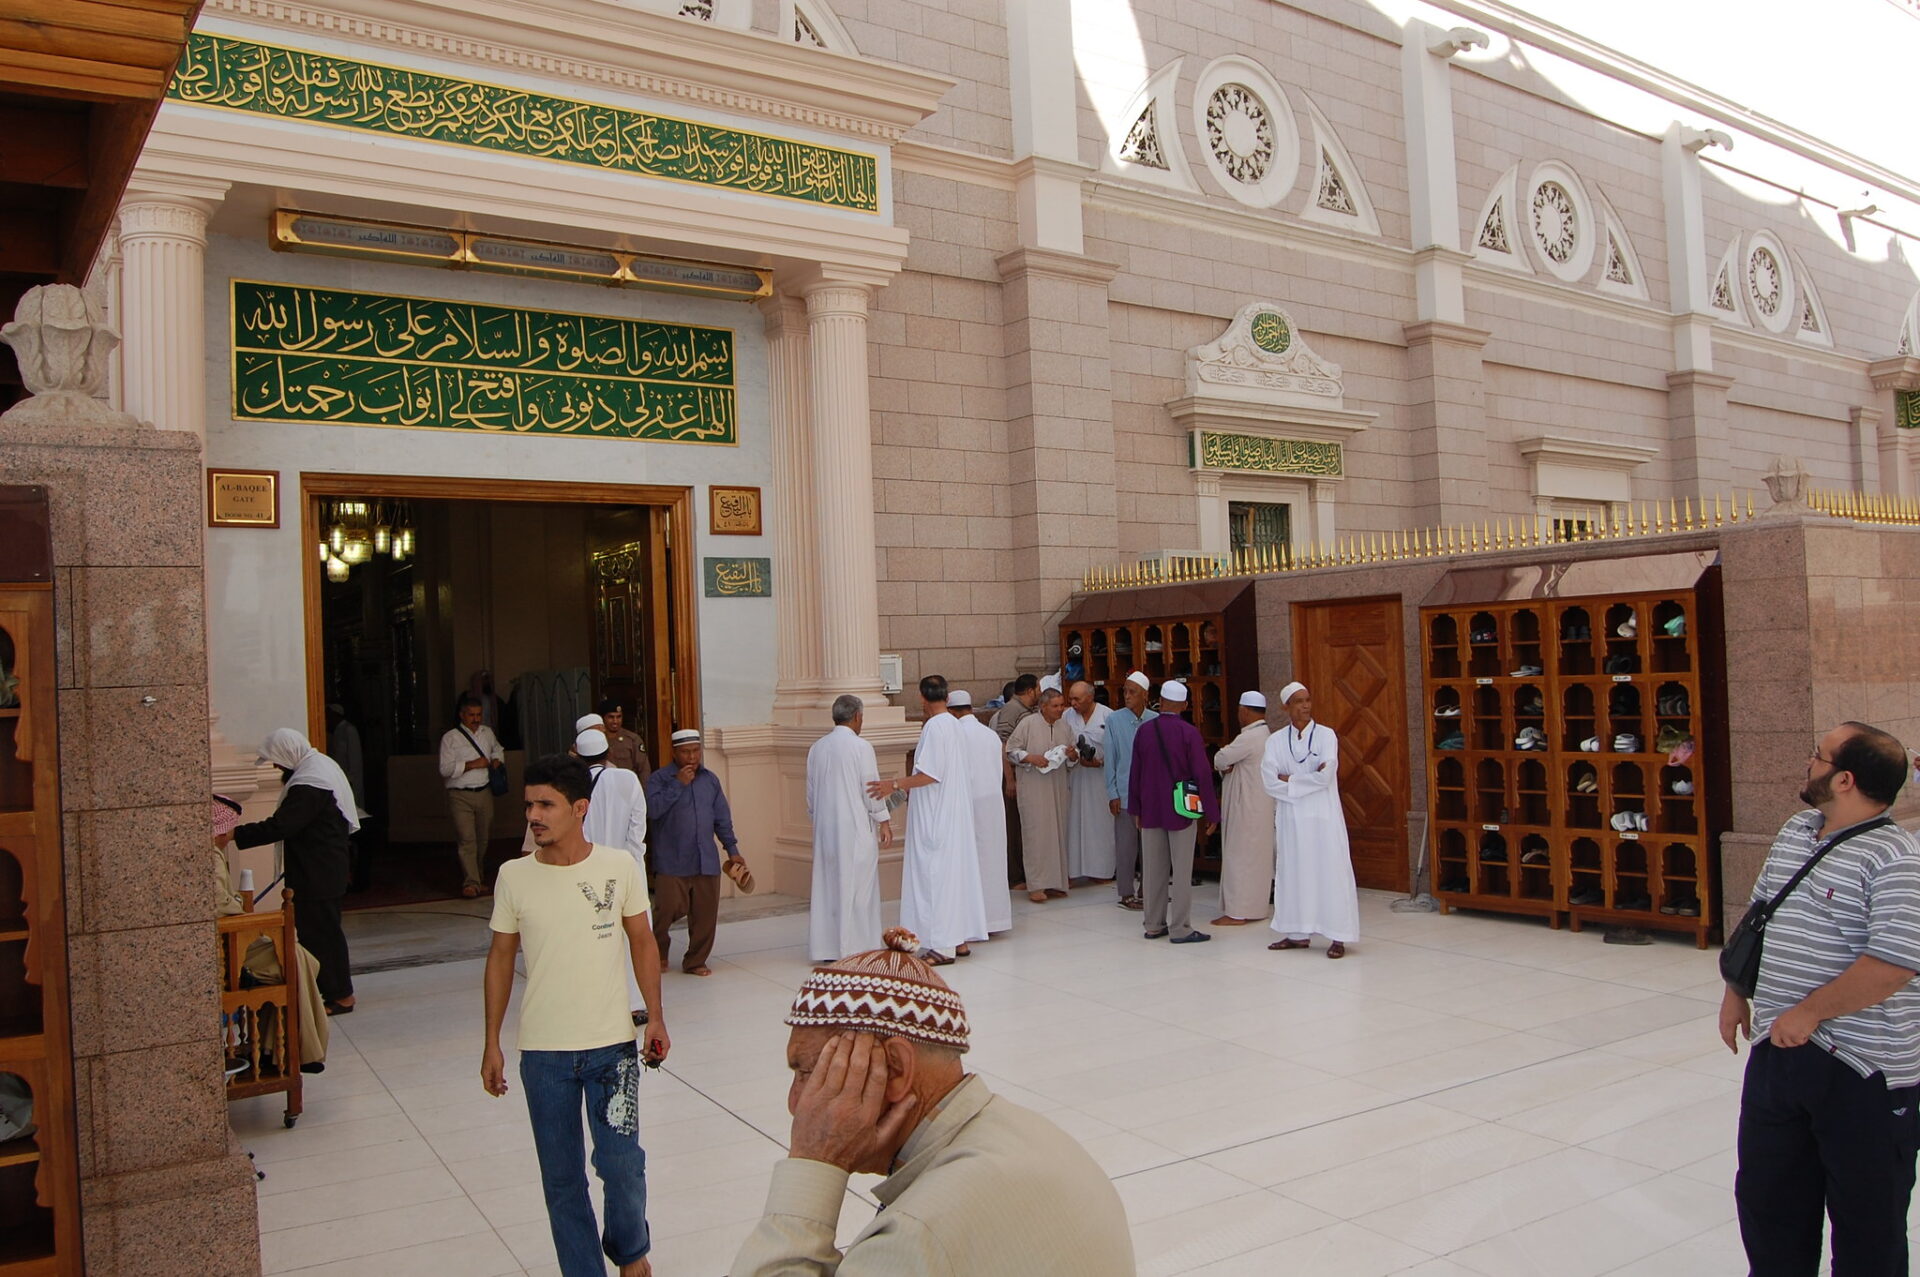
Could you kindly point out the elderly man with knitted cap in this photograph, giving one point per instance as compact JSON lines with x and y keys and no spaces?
{"x":975,"y":1185}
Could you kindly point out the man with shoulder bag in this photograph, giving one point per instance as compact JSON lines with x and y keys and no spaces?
{"x":1822,"y":967}
{"x":1170,"y":792}
{"x":474,"y":769}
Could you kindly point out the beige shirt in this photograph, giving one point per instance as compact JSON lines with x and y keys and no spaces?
{"x":982,"y":1188}
{"x":568,"y":918}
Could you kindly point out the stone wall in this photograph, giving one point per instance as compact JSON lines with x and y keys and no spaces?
{"x":164,"y":1186}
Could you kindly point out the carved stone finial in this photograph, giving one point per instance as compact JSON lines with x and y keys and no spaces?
{"x":1787,"y":480}
{"x":62,"y":342}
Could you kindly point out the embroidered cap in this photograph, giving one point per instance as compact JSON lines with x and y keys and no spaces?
{"x":686,"y":736}
{"x":885,"y":991}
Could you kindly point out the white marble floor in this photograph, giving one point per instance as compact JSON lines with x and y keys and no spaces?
{"x":1462,"y":1095}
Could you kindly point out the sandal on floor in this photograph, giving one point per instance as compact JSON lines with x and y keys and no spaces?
{"x":963,"y":952}
{"x":1291,"y":944}
{"x":1155,"y":935}
{"x":934,"y":958}
{"x":470,"y":891}
{"x":339,"y":1008}
{"x":1134,"y":903}
{"x":1055,"y":893}
{"x":1228,"y":920}
{"x":1336,"y":950}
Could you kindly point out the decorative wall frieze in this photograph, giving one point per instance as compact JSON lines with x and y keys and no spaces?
{"x":1148,"y":146}
{"x":1339,"y":195}
{"x":1263,"y":356}
{"x":1246,"y":131}
{"x":633,"y":51}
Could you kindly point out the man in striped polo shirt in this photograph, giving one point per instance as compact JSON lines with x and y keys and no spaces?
{"x":1830,"y":1111}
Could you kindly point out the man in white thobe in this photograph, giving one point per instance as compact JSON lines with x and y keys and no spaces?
{"x":616,"y":817}
{"x":849,"y":828}
{"x":940,"y":898}
{"x":1246,"y":819}
{"x":1089,"y":818}
{"x":1313,"y":888}
{"x":988,"y":772}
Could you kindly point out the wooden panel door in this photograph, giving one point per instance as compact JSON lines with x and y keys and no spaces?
{"x":1350,"y":655}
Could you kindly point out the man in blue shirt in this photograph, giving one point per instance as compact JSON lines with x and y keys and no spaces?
{"x":1126,"y":830}
{"x":686,"y":813}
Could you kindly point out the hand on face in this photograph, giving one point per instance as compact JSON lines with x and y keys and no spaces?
{"x":841,"y":1113}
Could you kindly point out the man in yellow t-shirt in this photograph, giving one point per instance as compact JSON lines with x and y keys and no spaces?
{"x":580,"y":911}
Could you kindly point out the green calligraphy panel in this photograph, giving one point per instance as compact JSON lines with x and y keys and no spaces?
{"x":370,"y":359}
{"x":1906,"y":410}
{"x":1220,"y":451}
{"x":265,"y":79}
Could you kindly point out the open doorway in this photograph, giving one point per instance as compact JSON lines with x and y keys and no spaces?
{"x":544,"y":598}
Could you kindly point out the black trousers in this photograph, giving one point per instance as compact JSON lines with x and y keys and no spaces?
{"x":1016,"y":855}
{"x":317,"y":923}
{"x":1817,"y":1139}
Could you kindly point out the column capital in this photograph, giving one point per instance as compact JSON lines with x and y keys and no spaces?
{"x":783,"y":314}
{"x":166,"y":216}
{"x":828,"y":297}
{"x":1863,"y":417}
{"x":1902,"y":372}
{"x":1439,"y":331}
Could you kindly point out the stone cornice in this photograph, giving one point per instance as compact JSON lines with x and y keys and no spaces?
{"x":1432,"y":330}
{"x":1055,"y":265}
{"x":1591,"y":454}
{"x":1265,"y":226}
{"x":1902,"y":372}
{"x":1700,"y":377}
{"x":955,"y":166}
{"x":654,"y":55}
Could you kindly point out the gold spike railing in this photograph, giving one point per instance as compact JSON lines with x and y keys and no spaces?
{"x":1636,"y":520}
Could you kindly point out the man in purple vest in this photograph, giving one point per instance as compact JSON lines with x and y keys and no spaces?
{"x":1166,"y":751}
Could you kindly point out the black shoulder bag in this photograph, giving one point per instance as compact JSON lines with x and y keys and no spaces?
{"x":1740,"y":956}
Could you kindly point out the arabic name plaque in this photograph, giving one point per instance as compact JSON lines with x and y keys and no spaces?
{"x":739,"y":578}
{"x":733,"y":512}
{"x":371,"y":359}
{"x":317,"y":88}
{"x":1262,"y":454}
{"x":243,"y":498}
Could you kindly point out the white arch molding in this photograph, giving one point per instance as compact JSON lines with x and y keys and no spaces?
{"x":1496,"y":232}
{"x":1147,"y":147}
{"x":1336,"y":196}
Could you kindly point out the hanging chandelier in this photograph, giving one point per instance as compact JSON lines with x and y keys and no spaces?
{"x":359,"y":530}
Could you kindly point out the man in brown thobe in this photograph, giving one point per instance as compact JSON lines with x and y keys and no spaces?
{"x":1042,"y":784}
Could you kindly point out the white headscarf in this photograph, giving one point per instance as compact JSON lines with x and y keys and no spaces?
{"x":288,"y":748}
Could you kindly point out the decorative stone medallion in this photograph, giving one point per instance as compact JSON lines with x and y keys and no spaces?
{"x":1142,"y":143}
{"x":1240,"y":132}
{"x":1556,"y":223}
{"x":1271,"y":332}
{"x":1765,"y":281}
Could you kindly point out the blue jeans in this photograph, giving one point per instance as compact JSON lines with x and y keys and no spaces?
{"x":607,"y":1081}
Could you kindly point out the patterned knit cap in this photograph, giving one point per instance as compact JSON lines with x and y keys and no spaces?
{"x":885,"y":991}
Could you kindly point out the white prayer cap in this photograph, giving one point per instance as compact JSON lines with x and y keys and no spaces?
{"x":687,"y":736}
{"x":1290,"y":691}
{"x":1173,"y":693}
{"x":585,"y":721}
{"x":959,"y":698}
{"x":1253,"y":700}
{"x":1050,"y":682}
{"x":591,"y":743}
{"x":1139,"y":679}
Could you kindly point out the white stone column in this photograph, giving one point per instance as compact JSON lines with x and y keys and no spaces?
{"x":1432,"y":174}
{"x":1043,"y":88}
{"x":849,"y":595}
{"x":795,"y":526}
{"x":163,"y":247}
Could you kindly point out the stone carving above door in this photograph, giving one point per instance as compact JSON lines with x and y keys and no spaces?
{"x":1263,"y":355}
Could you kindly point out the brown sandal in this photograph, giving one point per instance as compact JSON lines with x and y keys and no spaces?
{"x":1228,"y":920}
{"x":963,"y":952}
{"x":1291,"y":944}
{"x":935,"y":958}
{"x":1336,"y":950}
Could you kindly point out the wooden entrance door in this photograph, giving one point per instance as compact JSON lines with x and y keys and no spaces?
{"x":1351,"y":656}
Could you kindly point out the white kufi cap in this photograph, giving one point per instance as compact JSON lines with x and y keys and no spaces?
{"x":1253,"y":700}
{"x":959,"y":698}
{"x":585,"y":721}
{"x":591,"y":743}
{"x":1139,"y":679}
{"x":1290,"y":691}
{"x":1173,"y":693}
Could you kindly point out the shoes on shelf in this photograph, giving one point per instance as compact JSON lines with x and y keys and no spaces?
{"x":1626,"y":743}
{"x":1668,"y":739}
{"x":1455,"y":886}
{"x":1683,"y":907}
{"x":1681,"y":754}
{"x":1586,"y":783}
{"x":1673,"y":705}
{"x":1676,"y":627}
{"x":1492,"y":852}
{"x":1537,"y":856}
{"x":1530,"y":704}
{"x":1526,"y":671}
{"x":1530,"y":738}
{"x":1452,"y":740}
{"x":1482,"y":636}
{"x":1591,"y":745}
{"x":1682,"y":787}
{"x":1629,"y":628}
{"x":1621,"y":663}
{"x":1447,"y":711}
{"x":1576,"y":634}
{"x":1633,"y":902}
{"x":1586,"y":896}
{"x":1628,"y":820}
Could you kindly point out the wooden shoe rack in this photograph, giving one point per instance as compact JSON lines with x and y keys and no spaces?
{"x":1533,"y":830}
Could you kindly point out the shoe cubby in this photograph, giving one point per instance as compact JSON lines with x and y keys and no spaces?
{"x":1610,"y":684}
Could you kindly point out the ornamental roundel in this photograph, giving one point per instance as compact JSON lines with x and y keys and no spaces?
{"x":1240,"y":132}
{"x":1765,"y":280}
{"x":1556,"y":223}
{"x":1271,"y":333}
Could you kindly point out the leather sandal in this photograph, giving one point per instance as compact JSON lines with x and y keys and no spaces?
{"x":934,"y":958}
{"x":1336,"y":950}
{"x":1291,"y":944}
{"x":963,"y":952}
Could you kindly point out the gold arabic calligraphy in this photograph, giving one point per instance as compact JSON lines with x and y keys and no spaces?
{"x":1269,"y":456}
{"x":264,"y":79}
{"x":313,"y":354}
{"x":737,"y":578}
